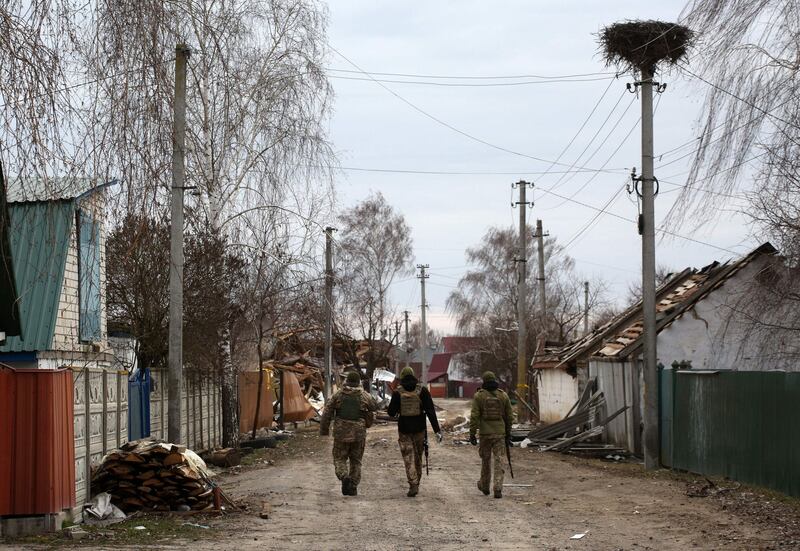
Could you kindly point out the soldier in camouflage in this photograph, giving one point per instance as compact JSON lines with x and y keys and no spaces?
{"x":491,"y":416}
{"x":353,"y":410}
{"x":412,"y":402}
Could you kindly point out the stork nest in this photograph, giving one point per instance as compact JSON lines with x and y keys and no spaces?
{"x":638,"y":45}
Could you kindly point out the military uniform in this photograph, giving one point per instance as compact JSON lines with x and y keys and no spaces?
{"x":491,"y":416}
{"x":351,"y":410}
{"x":412,"y":402}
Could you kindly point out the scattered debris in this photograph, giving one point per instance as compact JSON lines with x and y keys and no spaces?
{"x":383,"y":442}
{"x":195,"y":525}
{"x":101,"y":512}
{"x":698,"y":489}
{"x":578,"y":536}
{"x":266,"y":510}
{"x":75,"y":533}
{"x":571,"y":433}
{"x":151,"y":475}
{"x":450,"y":424}
{"x":225,"y":457}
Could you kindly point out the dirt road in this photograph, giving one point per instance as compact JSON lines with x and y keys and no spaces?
{"x":556,"y":498}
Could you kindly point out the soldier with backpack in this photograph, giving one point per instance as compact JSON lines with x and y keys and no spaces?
{"x":351,"y":409}
{"x":412,"y":402}
{"x":491,"y":416}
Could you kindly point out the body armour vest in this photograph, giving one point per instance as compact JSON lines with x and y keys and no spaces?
{"x":410,"y":402}
{"x":492,"y":408}
{"x":349,"y":407}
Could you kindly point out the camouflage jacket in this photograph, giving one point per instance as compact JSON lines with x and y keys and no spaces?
{"x":343,"y":429}
{"x":477,"y":418}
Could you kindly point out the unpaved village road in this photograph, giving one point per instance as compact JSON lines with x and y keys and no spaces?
{"x":615,"y":506}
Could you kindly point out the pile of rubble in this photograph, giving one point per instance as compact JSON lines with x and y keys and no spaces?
{"x":582,"y":424}
{"x":150,"y":475}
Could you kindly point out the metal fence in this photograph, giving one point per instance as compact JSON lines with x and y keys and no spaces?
{"x":743,"y":425}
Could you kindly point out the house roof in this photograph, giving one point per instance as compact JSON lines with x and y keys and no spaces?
{"x":622,"y":335}
{"x":460,"y":345}
{"x":439,"y":366}
{"x":39,"y":235}
{"x":27,"y":190}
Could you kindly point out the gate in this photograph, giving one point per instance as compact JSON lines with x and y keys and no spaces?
{"x":139,"y":405}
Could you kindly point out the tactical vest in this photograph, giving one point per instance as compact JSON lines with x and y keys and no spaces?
{"x":410,"y":402}
{"x":492,"y":408}
{"x":349,"y":407}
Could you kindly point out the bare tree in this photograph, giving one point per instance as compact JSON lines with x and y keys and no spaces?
{"x":375,"y":248}
{"x":485,"y":302}
{"x":663,"y":273}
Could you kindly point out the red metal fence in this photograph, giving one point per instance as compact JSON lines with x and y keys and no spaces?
{"x":37,"y":442}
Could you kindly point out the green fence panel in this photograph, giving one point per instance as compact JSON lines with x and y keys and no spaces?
{"x":740,"y":424}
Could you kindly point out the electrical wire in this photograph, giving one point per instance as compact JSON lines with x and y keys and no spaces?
{"x":469,"y":85}
{"x":443,"y":123}
{"x":470,"y":77}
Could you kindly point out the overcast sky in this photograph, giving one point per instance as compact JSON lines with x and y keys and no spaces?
{"x":373,"y":129}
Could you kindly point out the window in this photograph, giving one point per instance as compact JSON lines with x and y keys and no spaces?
{"x":88,"y":277}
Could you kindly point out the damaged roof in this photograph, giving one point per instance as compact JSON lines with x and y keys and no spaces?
{"x":621,"y":336}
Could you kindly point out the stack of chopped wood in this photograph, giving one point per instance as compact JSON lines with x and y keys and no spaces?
{"x":582,"y":424}
{"x":149,"y":475}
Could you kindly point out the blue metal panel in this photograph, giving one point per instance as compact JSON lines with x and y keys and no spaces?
{"x":89,"y":277}
{"x":139,"y":405}
{"x":39,"y":235}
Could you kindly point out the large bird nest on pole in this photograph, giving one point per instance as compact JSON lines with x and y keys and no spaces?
{"x":638,"y":45}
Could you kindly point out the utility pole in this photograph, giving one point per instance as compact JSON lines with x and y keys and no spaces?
{"x":585,"y":307}
{"x":405,"y":314}
{"x":397,"y":336}
{"x":424,"y":328}
{"x":328,"y":311}
{"x":651,"y":444}
{"x":522,"y":301}
{"x":175,"y":373}
{"x":540,"y":235}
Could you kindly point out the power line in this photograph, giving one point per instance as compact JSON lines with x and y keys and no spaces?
{"x":471,"y":77}
{"x":440,"y":121}
{"x":470,"y":173}
{"x":470,"y":85}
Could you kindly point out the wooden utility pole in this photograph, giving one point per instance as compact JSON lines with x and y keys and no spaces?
{"x":328,"y":311}
{"x":522,"y":301}
{"x":585,"y":307}
{"x":408,"y":353}
{"x":651,"y":444}
{"x":175,"y":373}
{"x":397,"y":336}
{"x":423,"y":341}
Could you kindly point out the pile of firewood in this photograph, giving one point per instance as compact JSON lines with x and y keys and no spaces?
{"x":149,"y":475}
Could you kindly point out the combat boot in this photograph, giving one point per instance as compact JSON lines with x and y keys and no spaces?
{"x":413,"y":490}
{"x":482,"y":489}
{"x":353,"y":489}
{"x":497,"y":494}
{"x":346,"y":485}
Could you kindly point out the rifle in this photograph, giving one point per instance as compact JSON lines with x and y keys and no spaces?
{"x":508,"y":455}
{"x":425,"y":447}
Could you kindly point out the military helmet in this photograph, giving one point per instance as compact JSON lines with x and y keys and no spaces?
{"x":407,"y":372}
{"x":488,"y":376}
{"x":353,"y":378}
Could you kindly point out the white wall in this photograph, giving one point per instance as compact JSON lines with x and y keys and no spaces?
{"x":710,"y":338}
{"x":558,"y":391}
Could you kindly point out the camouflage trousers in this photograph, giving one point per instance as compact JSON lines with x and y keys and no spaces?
{"x":411,"y":447}
{"x":344,"y":452}
{"x":492,"y":447}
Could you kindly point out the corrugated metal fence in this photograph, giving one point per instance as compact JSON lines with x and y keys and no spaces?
{"x":738,"y":424}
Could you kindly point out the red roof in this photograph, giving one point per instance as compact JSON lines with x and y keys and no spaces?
{"x":440,"y":363}
{"x":460,"y":345}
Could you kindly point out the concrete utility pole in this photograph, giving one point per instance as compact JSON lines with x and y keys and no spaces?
{"x":175,"y":373}
{"x":405,"y":314}
{"x":522,"y":302}
{"x":651,"y":444}
{"x":423,"y":344}
{"x":328,"y":311}
{"x":585,"y":307}
{"x":540,"y":280}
